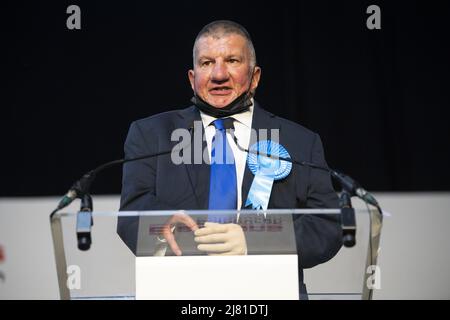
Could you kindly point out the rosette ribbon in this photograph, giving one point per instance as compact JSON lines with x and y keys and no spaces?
{"x":263,"y":161}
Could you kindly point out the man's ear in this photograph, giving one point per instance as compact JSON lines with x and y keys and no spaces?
{"x":256,"y":76}
{"x":191,"y":79}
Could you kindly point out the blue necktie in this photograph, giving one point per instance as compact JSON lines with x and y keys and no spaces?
{"x":222,"y":182}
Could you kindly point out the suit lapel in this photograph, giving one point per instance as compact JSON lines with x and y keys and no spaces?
{"x":261,"y":120}
{"x":197,"y":174}
{"x":246,"y":183}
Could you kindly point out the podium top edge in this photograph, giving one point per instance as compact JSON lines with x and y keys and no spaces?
{"x":206,"y":212}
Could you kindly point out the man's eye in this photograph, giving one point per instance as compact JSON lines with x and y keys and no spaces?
{"x":206,"y":63}
{"x":233,"y":61}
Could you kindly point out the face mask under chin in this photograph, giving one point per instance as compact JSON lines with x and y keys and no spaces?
{"x":238,"y":105}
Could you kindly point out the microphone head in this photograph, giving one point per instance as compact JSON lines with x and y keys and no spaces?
{"x":366,"y":196}
{"x":348,"y":240}
{"x":67,"y":199}
{"x":84,"y":241}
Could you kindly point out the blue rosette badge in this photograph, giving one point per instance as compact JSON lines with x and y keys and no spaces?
{"x":263,"y":161}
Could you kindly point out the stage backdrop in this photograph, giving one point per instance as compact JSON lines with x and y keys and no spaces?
{"x":378,"y":98}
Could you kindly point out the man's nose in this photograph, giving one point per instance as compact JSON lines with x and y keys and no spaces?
{"x":219,"y":72}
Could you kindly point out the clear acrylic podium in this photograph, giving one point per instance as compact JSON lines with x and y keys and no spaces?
{"x":114,"y":269}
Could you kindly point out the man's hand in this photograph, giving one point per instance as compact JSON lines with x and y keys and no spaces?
{"x":168,"y":228}
{"x":221,"y":239}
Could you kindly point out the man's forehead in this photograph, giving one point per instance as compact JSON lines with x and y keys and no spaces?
{"x":227,"y":43}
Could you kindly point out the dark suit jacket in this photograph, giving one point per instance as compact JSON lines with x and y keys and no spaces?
{"x":158,"y":184}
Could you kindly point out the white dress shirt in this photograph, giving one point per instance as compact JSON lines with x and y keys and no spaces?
{"x":242,"y":131}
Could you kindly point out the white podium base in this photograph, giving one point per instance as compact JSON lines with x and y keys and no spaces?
{"x":252,"y":277}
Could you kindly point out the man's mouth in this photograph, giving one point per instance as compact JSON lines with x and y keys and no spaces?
{"x":220,"y":91}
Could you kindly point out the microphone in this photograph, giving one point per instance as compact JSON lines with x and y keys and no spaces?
{"x":78,"y":189}
{"x":347,"y":183}
{"x":350,"y":188}
{"x":84,"y":223}
{"x":81,"y":187}
{"x":354,"y":188}
{"x":348,"y":220}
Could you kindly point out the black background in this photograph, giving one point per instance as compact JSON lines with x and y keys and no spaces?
{"x":378,"y":98}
